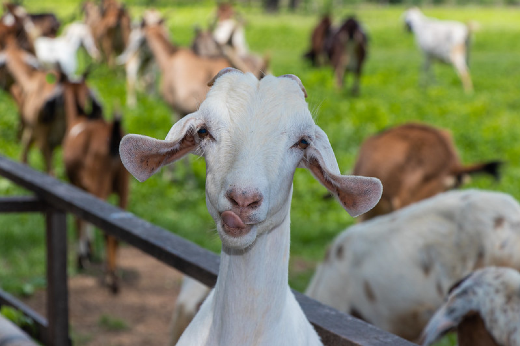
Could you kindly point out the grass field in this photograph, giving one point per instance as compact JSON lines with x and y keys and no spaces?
{"x":484,"y":125}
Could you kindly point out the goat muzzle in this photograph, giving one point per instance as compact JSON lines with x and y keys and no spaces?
{"x":233,"y":225}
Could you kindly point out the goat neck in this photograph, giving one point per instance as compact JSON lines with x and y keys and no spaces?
{"x":161,"y":48}
{"x":253,"y":282}
{"x":22,"y":72}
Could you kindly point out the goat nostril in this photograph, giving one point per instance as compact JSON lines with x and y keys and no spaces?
{"x":255,"y":204}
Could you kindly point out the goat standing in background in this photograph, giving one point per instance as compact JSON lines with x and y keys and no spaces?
{"x":445,"y":41}
{"x":39,"y":102}
{"x":319,"y":40}
{"x":110,"y":24}
{"x":414,"y":162}
{"x":92,"y":163}
{"x":484,"y":308}
{"x":348,"y":51}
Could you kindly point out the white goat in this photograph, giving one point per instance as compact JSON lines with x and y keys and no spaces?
{"x":394,"y":270}
{"x":446,"y":41}
{"x":253,"y":135}
{"x":484,"y":308}
{"x":63,"y":49}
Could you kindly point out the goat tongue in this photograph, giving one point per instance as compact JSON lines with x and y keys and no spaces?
{"x":232,"y":220}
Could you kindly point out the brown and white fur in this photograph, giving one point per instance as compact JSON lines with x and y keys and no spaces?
{"x":92,"y":163}
{"x":39,"y":102}
{"x":414,"y":162}
{"x":253,"y":135}
{"x":484,"y":309}
{"x":394,"y":271}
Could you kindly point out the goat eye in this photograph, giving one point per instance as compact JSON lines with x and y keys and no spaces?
{"x":303,"y":144}
{"x":203,"y":133}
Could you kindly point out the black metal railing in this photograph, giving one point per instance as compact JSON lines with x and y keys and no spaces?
{"x":56,"y":199}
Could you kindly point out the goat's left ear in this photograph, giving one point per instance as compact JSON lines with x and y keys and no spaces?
{"x":356,"y":194}
{"x":143,"y":156}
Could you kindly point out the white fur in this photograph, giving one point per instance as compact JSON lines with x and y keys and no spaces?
{"x":407,"y":260}
{"x":63,"y":49}
{"x":446,"y":41}
{"x":494,"y":294}
{"x":231,"y":30}
{"x":255,"y":129}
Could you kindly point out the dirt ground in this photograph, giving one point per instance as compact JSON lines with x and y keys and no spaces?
{"x":139,"y":315}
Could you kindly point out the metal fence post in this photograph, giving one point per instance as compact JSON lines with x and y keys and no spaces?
{"x":57,"y":289}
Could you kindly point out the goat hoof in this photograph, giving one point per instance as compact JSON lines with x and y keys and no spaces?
{"x":82,"y":262}
{"x":112,"y":282}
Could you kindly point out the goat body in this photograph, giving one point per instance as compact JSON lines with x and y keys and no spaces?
{"x":445,"y":41}
{"x":393,"y":271}
{"x":63,"y":49}
{"x":414,"y":161}
{"x":345,"y":47}
{"x":39,"y":101}
{"x":184,"y":74}
{"x":484,"y":308}
{"x":92,"y":163}
{"x":248,"y":194}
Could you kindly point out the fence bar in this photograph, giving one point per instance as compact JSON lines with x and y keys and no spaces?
{"x":57,"y":290}
{"x":334,"y":327}
{"x":40,"y":323}
{"x":21,"y":204}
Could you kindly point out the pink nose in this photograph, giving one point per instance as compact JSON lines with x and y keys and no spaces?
{"x":244,"y":199}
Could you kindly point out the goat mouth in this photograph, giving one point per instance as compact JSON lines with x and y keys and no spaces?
{"x":233,"y":225}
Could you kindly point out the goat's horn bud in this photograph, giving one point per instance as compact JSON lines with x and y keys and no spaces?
{"x":297,"y":80}
{"x":222,"y":72}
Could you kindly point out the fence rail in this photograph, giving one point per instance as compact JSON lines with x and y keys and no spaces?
{"x":56,"y":199}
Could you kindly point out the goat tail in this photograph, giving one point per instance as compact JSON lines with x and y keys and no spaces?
{"x":116,"y":135}
{"x":491,"y":168}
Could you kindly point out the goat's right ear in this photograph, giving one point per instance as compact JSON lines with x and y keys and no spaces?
{"x":143,"y":156}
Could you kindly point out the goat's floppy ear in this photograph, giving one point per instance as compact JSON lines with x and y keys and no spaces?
{"x":356,"y":194}
{"x":143,"y":156}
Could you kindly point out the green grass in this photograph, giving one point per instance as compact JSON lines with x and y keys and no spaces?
{"x":484,"y":125}
{"x":112,"y":324}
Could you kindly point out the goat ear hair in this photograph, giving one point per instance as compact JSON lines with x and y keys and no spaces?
{"x":221,"y":73}
{"x":297,"y":80}
{"x":356,"y":194}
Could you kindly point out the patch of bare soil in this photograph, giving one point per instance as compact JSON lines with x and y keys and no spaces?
{"x":139,"y":315}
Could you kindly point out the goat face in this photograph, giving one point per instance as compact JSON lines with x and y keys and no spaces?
{"x":253,"y":135}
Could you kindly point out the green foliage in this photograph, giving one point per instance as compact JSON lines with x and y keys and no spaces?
{"x":484,"y":125}
{"x":19,"y":319}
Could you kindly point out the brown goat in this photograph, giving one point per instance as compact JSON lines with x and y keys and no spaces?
{"x":185,"y":75}
{"x":414,"y":162}
{"x":319,"y":37}
{"x":42,"y":118}
{"x":16,"y":25}
{"x":47,"y":24}
{"x":92,"y":163}
{"x":110,"y":24}
{"x":205,"y":45}
{"x":346,"y":49}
